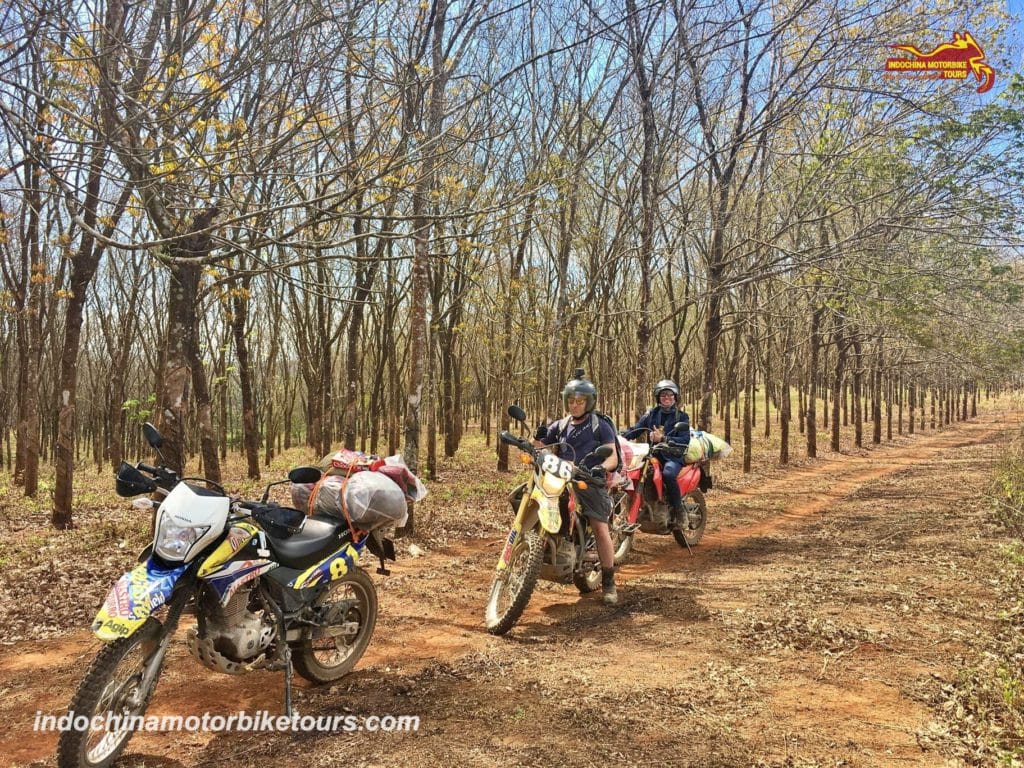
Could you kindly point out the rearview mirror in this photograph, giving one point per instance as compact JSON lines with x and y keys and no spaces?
{"x":603,"y":452}
{"x":152,"y":435}
{"x":517,"y":413}
{"x":301,"y":475}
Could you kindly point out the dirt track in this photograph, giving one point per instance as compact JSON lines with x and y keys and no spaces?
{"x":813,"y":626}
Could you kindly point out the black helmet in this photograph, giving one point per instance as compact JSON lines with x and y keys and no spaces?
{"x":580,"y":386}
{"x":663,"y":385}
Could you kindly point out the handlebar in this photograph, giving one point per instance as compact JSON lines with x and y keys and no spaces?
{"x":523,"y":445}
{"x":579,"y":471}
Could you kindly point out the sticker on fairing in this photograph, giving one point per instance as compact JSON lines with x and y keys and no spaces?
{"x":133,"y":599}
{"x":228,"y":579}
{"x":239,"y":535}
{"x":333,"y":567}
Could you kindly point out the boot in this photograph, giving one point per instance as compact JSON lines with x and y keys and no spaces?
{"x":675,"y":519}
{"x":611,"y":597}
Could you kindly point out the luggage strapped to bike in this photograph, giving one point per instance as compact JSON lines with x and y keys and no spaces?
{"x":357,"y":533}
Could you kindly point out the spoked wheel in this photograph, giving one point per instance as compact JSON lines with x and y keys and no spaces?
{"x":513,"y":586}
{"x":349,"y":608}
{"x":695,"y":519}
{"x":587,"y":577}
{"x":109,"y":697}
{"x":622,"y":542}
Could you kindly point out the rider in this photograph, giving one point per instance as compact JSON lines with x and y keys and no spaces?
{"x":660,"y":423}
{"x":584,"y":430}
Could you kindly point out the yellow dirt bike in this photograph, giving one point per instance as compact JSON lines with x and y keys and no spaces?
{"x":548,"y":540}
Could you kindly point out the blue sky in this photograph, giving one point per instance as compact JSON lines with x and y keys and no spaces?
{"x":1016,"y":7}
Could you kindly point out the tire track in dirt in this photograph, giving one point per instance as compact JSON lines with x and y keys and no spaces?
{"x":415,"y":633}
{"x":847,"y":476}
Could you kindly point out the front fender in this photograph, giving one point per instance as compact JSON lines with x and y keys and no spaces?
{"x":133,"y":599}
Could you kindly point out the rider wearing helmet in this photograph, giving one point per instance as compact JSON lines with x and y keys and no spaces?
{"x":660,"y":424}
{"x":583,"y":431}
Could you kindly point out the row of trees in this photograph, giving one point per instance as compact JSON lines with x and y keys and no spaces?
{"x":262,"y":223}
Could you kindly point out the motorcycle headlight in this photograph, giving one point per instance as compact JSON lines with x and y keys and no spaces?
{"x":173,"y":542}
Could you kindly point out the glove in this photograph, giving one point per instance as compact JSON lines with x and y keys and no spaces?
{"x":599,"y":476}
{"x":541,"y":433}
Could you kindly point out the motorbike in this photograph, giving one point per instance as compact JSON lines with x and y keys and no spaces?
{"x":639,"y":503}
{"x":548,"y":539}
{"x":270,"y":589}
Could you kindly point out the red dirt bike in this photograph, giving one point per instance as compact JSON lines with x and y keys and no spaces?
{"x":639,"y":501}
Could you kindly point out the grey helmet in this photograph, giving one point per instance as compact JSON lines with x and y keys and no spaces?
{"x":580,"y":386}
{"x":663,"y":385}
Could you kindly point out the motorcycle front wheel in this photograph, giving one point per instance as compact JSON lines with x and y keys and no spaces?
{"x":513,"y":587}
{"x":109,"y":696}
{"x":349,"y":608}
{"x":693,"y":502}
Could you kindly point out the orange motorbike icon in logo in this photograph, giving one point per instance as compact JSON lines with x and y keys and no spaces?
{"x":948,"y":60}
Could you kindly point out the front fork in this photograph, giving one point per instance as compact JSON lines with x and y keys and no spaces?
{"x":155,"y":661}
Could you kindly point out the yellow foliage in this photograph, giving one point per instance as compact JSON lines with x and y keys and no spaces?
{"x":207,"y":82}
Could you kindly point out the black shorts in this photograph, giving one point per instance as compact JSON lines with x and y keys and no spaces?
{"x":595,"y":503}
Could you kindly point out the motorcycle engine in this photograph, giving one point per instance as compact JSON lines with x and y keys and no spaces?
{"x":653,"y":518}
{"x":230,"y":638}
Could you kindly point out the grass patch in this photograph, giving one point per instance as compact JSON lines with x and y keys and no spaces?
{"x":985,"y":706}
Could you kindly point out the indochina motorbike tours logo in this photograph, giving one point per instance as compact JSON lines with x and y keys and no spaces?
{"x":955,"y":60}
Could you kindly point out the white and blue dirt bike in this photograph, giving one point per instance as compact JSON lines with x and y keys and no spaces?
{"x":270,"y":589}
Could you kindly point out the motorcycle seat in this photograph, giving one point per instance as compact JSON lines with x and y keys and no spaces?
{"x":320,"y":536}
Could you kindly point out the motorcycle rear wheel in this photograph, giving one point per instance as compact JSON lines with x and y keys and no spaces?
{"x":110,"y":686}
{"x":692,"y":501}
{"x":352,"y":599}
{"x":622,"y":543}
{"x":587,"y":577}
{"x":514,"y":586}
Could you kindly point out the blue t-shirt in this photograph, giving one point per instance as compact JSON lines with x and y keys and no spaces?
{"x":581,"y":439}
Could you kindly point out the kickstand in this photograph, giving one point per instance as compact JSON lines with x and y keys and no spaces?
{"x":287,"y":681}
{"x":285,"y":652}
{"x":688,"y":549}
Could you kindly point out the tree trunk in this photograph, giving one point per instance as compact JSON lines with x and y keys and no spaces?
{"x":812,"y":388}
{"x":748,"y":402}
{"x":839,"y":375}
{"x":82,"y":271}
{"x":858,"y":389}
{"x":648,"y":201}
{"x":250,"y":435}
{"x":418,"y":342}
{"x":876,"y":395}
